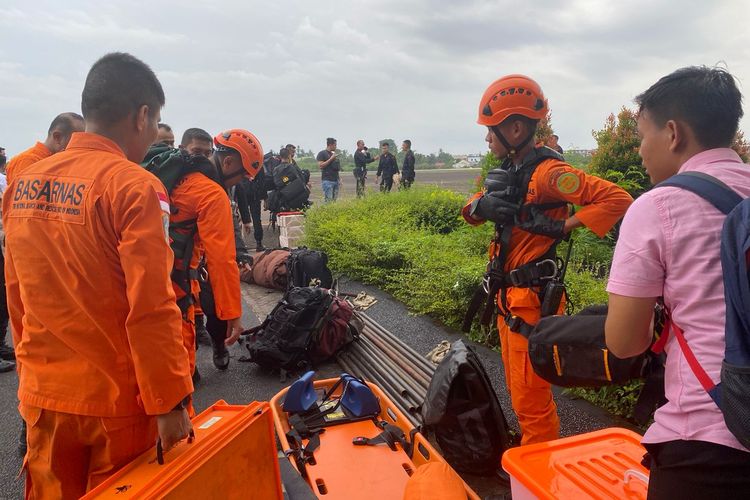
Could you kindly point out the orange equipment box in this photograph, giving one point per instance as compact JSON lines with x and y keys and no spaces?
{"x":234,"y":449}
{"x":344,"y":471}
{"x":605,"y":464}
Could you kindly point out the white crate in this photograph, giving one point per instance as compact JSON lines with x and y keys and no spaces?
{"x":289,"y":242}
{"x":291,"y":220}
{"x":292,"y":231}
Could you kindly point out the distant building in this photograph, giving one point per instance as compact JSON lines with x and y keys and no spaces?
{"x":474,"y":159}
{"x":467,"y":161}
{"x":583,"y":152}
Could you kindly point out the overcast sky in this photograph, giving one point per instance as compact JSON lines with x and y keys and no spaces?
{"x":299,"y":71}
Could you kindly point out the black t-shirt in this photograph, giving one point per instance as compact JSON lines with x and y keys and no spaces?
{"x":331,"y":172}
{"x":408,"y":168}
{"x":361,"y":159}
{"x":387,"y":166}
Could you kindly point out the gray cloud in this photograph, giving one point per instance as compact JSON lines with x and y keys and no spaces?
{"x":299,"y":71}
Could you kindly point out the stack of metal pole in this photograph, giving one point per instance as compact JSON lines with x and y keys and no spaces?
{"x":384,"y":359}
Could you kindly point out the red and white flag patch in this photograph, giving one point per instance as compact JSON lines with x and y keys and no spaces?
{"x":163,"y":201}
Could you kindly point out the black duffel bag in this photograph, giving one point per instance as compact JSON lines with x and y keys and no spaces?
{"x":570,"y":351}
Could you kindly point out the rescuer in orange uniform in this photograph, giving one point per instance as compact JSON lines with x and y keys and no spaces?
{"x":58,"y":136}
{"x":527,"y":199}
{"x":201,"y":207}
{"x":102,"y":369}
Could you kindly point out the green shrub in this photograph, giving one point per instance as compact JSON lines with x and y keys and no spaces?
{"x":617,"y":399}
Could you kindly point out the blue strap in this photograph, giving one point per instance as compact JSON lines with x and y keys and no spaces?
{"x":707,"y":187}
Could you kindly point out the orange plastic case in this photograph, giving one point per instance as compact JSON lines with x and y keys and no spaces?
{"x":344,"y":471}
{"x":233,"y":456}
{"x":605,"y":464}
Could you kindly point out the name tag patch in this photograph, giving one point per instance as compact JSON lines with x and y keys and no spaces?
{"x":50,"y":197}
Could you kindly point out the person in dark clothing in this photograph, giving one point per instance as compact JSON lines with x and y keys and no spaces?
{"x":7,"y":354}
{"x":552,"y":143}
{"x":249,"y":196}
{"x":291,"y":191}
{"x":387,"y":168}
{"x":330,"y":167}
{"x":361,"y":159}
{"x":292,"y":151}
{"x":407,"y":169}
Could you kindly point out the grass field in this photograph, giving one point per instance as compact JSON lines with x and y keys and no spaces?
{"x":458,"y":180}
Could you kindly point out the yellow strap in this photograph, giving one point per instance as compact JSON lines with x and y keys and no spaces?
{"x":556,"y":359}
{"x":606,"y":365}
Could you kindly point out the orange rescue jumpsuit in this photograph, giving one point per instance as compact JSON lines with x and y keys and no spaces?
{"x":93,"y":313}
{"x":196,"y":197}
{"x":25,"y":158}
{"x":602,"y":205}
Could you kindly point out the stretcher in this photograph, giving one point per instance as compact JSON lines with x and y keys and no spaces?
{"x":234,"y":449}
{"x":340,"y":469}
{"x":604,"y":464}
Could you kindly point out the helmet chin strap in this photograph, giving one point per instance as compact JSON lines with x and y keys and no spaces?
{"x":223,"y":178}
{"x":512,"y":150}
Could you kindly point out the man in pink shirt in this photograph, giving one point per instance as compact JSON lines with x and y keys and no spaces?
{"x":669,"y":247}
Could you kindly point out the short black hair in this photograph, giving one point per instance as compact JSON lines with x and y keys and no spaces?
{"x":290,"y":146}
{"x":117,"y":85}
{"x":706,"y":99}
{"x":407,"y":142}
{"x":64,"y":123}
{"x":195,"y":133}
{"x":165,"y":127}
{"x":330,"y":141}
{"x":284,"y":153}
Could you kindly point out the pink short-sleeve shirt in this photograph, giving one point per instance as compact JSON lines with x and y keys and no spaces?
{"x":669,"y":246}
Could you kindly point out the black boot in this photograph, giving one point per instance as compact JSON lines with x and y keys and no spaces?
{"x":22,"y":447}
{"x":259,"y":246}
{"x":201,"y":334}
{"x":6,"y":350}
{"x":221,"y":356}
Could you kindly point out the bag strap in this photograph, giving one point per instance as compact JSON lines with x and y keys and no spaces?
{"x":707,"y":187}
{"x":708,"y":385}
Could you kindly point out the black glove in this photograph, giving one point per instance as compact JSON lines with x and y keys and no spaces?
{"x":537,"y":222}
{"x":493,"y":208}
{"x":244,"y":258}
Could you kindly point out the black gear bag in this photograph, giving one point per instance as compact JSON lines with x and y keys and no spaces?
{"x":307,"y":267}
{"x":570,"y":351}
{"x":462,"y":411}
{"x":288,"y":336}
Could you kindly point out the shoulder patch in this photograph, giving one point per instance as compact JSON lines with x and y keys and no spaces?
{"x":568,"y":183}
{"x":163,"y":201}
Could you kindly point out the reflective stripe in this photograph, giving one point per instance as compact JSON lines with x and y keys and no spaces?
{"x":556,"y":359}
{"x":606,"y":365}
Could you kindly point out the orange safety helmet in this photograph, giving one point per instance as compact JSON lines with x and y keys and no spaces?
{"x":511,"y":95}
{"x":246,"y":144}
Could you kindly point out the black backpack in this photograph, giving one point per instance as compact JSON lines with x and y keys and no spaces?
{"x":308,"y":268}
{"x":170,"y":166}
{"x":462,"y":411}
{"x":270,"y":161}
{"x":570,"y":351}
{"x":288,"y":336}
